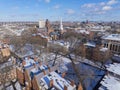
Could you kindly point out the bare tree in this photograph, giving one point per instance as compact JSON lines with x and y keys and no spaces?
{"x":28,"y":34}
{"x":57,"y":50}
{"x":74,"y":39}
{"x":17,"y":42}
{"x":28,"y":37}
{"x":101,"y":56}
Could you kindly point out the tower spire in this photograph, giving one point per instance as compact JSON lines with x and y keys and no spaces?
{"x":61,"y":25}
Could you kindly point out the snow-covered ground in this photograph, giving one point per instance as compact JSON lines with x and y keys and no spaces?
{"x":89,"y":73}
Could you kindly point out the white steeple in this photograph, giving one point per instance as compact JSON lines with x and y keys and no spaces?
{"x":61,"y":25}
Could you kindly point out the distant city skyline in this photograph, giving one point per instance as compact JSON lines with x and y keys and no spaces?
{"x":69,"y":10}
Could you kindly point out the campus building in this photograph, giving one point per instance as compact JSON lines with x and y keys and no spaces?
{"x":112,"y":42}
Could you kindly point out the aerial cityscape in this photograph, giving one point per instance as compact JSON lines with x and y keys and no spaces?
{"x":60,"y":45}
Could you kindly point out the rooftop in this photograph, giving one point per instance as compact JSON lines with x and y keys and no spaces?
{"x":91,"y":44}
{"x":110,"y":83}
{"x":58,"y":81}
{"x":103,"y":49}
{"x":115,"y":68}
{"x":83,"y":31}
{"x":115,"y":37}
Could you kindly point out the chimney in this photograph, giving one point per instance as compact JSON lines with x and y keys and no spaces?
{"x":51,"y":83}
{"x":23,"y":63}
{"x":65,"y":87}
{"x":63,"y":74}
{"x":80,"y":87}
{"x":49,"y":69}
{"x":44,"y":72}
{"x":72,"y":83}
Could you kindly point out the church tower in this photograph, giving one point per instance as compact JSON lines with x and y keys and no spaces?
{"x":61,"y":26}
{"x":48,"y":27}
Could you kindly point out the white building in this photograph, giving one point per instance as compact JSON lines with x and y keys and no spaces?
{"x":42,"y":24}
{"x":112,"y":42}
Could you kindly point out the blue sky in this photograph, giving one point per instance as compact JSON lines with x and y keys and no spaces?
{"x":69,"y":10}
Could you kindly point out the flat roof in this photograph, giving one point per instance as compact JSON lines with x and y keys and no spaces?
{"x":115,"y":37}
{"x":90,"y":44}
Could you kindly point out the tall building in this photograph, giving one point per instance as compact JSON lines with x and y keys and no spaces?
{"x":48,"y":26}
{"x":41,"y":24}
{"x":61,"y":25}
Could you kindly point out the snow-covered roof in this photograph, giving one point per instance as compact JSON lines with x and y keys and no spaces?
{"x":116,"y":55}
{"x":66,"y":60}
{"x":61,"y":43}
{"x":83,"y":31}
{"x":99,"y":30}
{"x":116,"y":58}
{"x":90,"y":44}
{"x":43,"y":36}
{"x":58,"y":81}
{"x":10,"y":88}
{"x":115,"y":37}
{"x":29,"y":53}
{"x":9,"y":63}
{"x":110,"y":83}
{"x":115,"y":68}
{"x":17,"y":85}
{"x":97,"y":27}
{"x":103,"y":49}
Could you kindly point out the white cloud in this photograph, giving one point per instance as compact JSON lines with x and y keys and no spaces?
{"x":111,"y":2}
{"x":56,"y":6}
{"x":102,"y":3}
{"x":47,"y":1}
{"x":101,"y":8}
{"x":100,"y":12}
{"x":106,"y":8}
{"x":89,"y":5}
{"x":96,"y":9}
{"x":70,"y":11}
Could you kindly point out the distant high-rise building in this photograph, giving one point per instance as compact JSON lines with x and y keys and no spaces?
{"x":41,"y":24}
